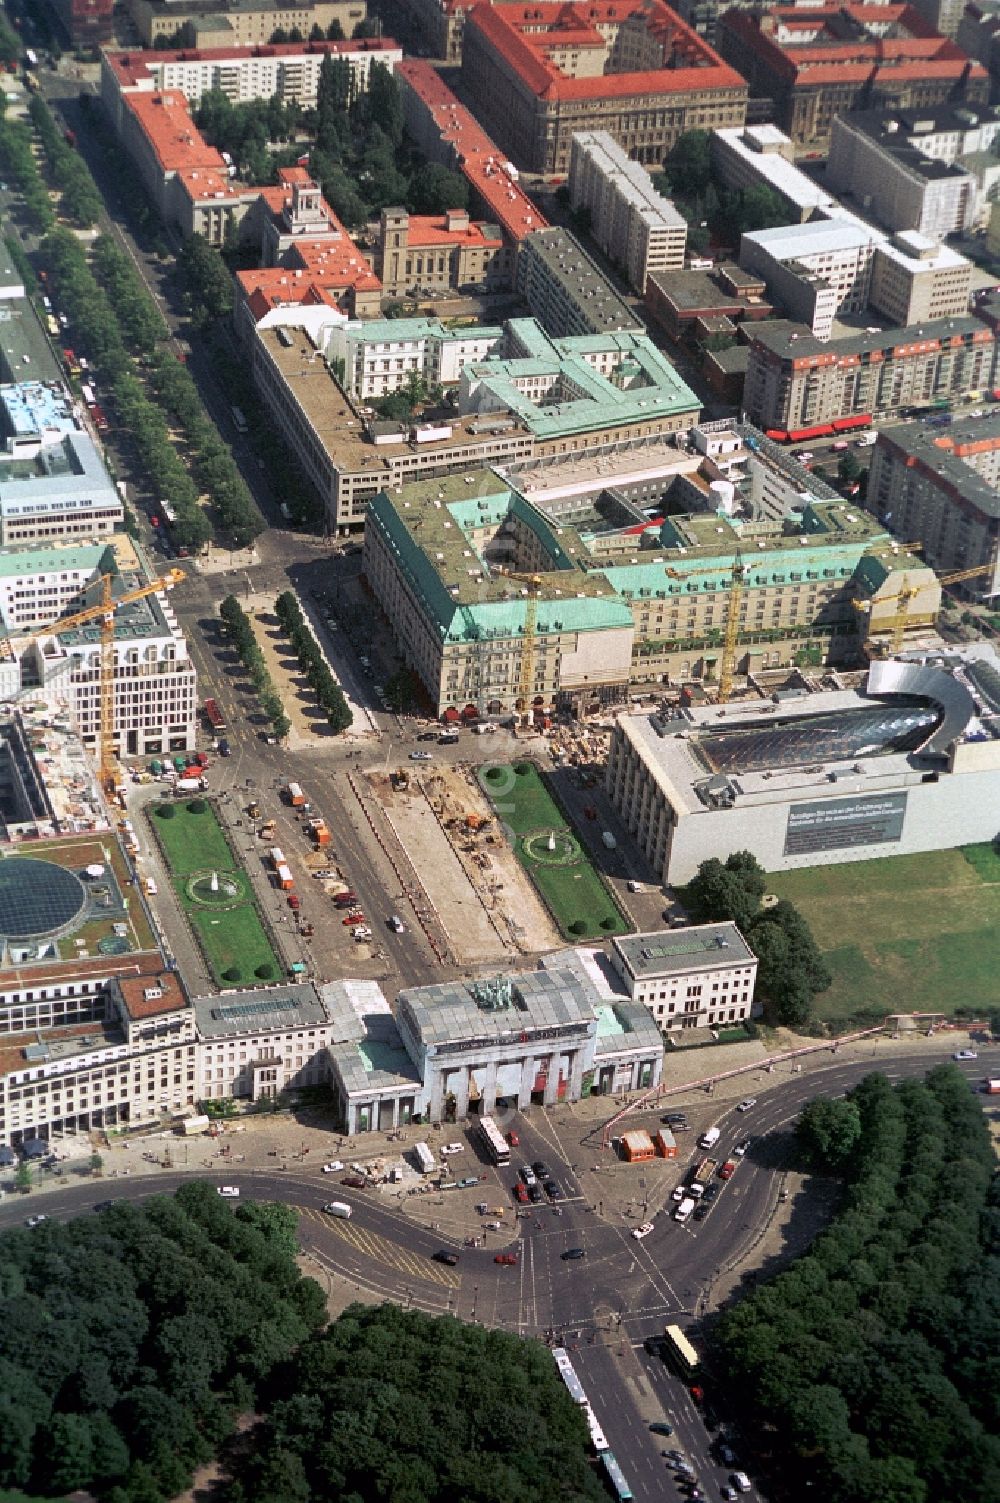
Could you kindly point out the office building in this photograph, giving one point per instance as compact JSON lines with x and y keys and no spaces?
{"x":942,"y":485}
{"x":624,"y":595}
{"x":795,"y":380}
{"x":914,"y":170}
{"x":238,"y":23}
{"x":815,"y":63}
{"x":908,"y":762}
{"x":687,"y":303}
{"x":286,"y":70}
{"x":698,"y":977}
{"x":53,"y":484}
{"x":155,"y":685}
{"x":636,"y":228}
{"x":566,"y":291}
{"x":762,"y":156}
{"x":827,"y":268}
{"x":542,"y":75}
{"x":610,"y":387}
{"x":446,"y":132}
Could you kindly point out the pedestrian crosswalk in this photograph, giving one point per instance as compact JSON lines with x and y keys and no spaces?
{"x":381,"y":1249}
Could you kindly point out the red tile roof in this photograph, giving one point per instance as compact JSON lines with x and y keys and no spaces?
{"x":514,"y":32}
{"x":432,"y":229}
{"x":165,"y":120}
{"x":473,"y":153}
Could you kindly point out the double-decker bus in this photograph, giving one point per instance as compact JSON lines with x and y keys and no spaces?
{"x":494,"y":1141}
{"x":214,"y":716}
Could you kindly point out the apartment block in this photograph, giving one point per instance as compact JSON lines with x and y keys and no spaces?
{"x":288,"y":70}
{"x":635,"y":227}
{"x":566,"y":290}
{"x":916,"y":170}
{"x":795,"y":380}
{"x":539,"y":76}
{"x":814,"y":63}
{"x":943,"y":486}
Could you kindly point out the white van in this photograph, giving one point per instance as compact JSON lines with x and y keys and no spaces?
{"x":710,"y":1138}
{"x":229,"y":1192}
{"x":683,"y":1211}
{"x":151,"y":888}
{"x":741,"y":1482}
{"x":338,"y":1208}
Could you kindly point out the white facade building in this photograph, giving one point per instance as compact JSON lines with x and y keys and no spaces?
{"x":753,"y":156}
{"x":702,"y":976}
{"x":379,"y":356}
{"x":635,"y":226}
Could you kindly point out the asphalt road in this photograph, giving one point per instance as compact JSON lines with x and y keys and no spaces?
{"x":603,"y":1306}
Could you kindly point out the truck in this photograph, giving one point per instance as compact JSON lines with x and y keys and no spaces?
{"x":684,"y":1210}
{"x":709,"y":1138}
{"x":190,"y":785}
{"x":701,"y":1177}
{"x":991,"y":1087}
{"x":193,"y":1125}
{"x":277,"y":856}
{"x":285,"y":879}
{"x":266,"y":831}
{"x":295,"y":795}
{"x":319,"y":832}
{"x":426,"y":1162}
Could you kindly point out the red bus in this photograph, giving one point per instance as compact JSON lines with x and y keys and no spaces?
{"x":214,"y":715}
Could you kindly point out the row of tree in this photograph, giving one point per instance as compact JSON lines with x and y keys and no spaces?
{"x":98,"y":330}
{"x":389,"y":1405}
{"x":18,"y":162}
{"x":868,"y":1372}
{"x":328,"y":692}
{"x":79,"y":198}
{"x":790,"y":968}
{"x":238,"y":625}
{"x":133,"y":1338}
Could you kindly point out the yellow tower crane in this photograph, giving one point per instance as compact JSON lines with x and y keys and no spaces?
{"x":731,"y":638}
{"x":896,"y":625}
{"x":104,"y":611}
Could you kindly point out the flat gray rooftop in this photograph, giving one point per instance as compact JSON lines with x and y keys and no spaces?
{"x":497,"y":1010}
{"x":675,"y":952}
{"x":267,"y":1010}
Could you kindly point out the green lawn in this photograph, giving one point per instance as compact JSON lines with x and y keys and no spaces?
{"x":570,"y":886}
{"x":904,"y":934}
{"x":232,"y":939}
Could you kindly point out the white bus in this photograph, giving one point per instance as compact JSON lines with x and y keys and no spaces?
{"x":426,"y":1162}
{"x":494,"y":1140}
{"x":567,"y":1372}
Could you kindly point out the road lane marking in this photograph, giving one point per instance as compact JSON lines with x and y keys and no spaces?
{"x":382,"y":1250}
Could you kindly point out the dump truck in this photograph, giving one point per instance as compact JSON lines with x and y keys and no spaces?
{"x":701,"y":1177}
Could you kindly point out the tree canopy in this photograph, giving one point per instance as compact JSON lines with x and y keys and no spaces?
{"x":128,"y":1340}
{"x":869,"y":1368}
{"x":790,"y":968}
{"x":390,"y":1404}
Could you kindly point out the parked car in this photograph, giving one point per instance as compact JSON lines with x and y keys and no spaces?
{"x":355,"y":1182}
{"x":701,"y":1210}
{"x":419,"y":756}
{"x":521,"y":1193}
{"x":527,"y":1174}
{"x":638,"y":1233}
{"x":554,"y":1191}
{"x":671,"y":1119}
{"x":541,"y":1169}
{"x":449,"y":1148}
{"x":428,"y":736}
{"x":333,"y":1167}
{"x":535,"y":1193}
{"x":352,"y":920}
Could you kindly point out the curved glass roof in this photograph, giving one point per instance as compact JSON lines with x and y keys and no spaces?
{"x":37,"y":898}
{"x":839,"y":735}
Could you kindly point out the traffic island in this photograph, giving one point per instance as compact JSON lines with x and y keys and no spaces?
{"x":215,"y":895}
{"x":565,"y":878}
